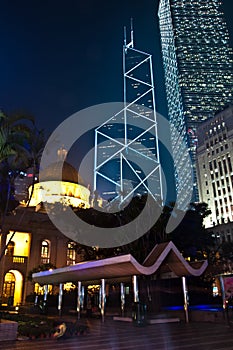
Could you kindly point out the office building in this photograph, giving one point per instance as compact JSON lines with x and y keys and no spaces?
{"x":197,"y":60}
{"x":215,"y":166}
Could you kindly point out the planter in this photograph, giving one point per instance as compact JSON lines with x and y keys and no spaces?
{"x":8,"y":330}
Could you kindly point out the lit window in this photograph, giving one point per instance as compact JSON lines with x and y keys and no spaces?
{"x":45,"y":252}
{"x":8,"y":288}
{"x":71,"y":253}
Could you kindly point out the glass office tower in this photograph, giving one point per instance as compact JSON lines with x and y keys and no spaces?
{"x":197,"y":60}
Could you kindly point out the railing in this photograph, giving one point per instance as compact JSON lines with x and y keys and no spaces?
{"x":44,"y":260}
{"x":19,"y":259}
{"x":14,"y":261}
{"x":70,"y":262}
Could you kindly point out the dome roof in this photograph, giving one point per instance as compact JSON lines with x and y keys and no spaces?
{"x":69,"y":173}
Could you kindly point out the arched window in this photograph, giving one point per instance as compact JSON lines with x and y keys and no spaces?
{"x":8,"y":289}
{"x":71,"y":253}
{"x":45,"y":252}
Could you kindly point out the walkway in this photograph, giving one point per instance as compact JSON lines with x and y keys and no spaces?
{"x":116,"y":335}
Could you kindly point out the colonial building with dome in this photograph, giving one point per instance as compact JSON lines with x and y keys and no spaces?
{"x":32,"y":239}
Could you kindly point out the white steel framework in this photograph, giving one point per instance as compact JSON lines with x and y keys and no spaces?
{"x":126,"y":145}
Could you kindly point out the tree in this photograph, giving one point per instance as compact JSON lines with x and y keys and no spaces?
{"x":40,"y":268}
{"x":190,"y":236}
{"x":19,"y":145}
{"x":14,"y":133}
{"x":34,"y":149}
{"x":139,"y":248}
{"x":220,"y":261}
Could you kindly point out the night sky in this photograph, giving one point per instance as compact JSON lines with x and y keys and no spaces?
{"x":58,"y":57}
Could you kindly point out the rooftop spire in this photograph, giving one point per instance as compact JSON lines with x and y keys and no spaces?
{"x":61,"y":153}
{"x":131,"y":31}
{"x":125,"y":36}
{"x":131,"y":43}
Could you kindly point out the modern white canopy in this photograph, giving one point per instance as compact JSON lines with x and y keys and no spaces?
{"x":164,"y":257}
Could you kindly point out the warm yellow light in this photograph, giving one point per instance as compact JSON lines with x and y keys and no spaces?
{"x":69,"y":286}
{"x":22,"y":242}
{"x":38,"y":289}
{"x":16,"y":277}
{"x":63,"y":192}
{"x":93,"y":288}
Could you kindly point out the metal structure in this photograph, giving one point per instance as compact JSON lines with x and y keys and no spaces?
{"x":126,"y":145}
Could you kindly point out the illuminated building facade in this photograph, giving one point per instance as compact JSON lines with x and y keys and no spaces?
{"x":33,"y":239}
{"x":215,"y":166}
{"x":36,"y":242}
{"x":197,"y":62}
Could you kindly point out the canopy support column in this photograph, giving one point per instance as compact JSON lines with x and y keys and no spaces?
{"x":122,"y":299}
{"x":60,"y":296}
{"x":185,"y":292}
{"x":102,"y":310}
{"x":135,"y":289}
{"x":46,"y":291}
{"x":36,"y":300}
{"x":82,"y":297}
{"x":79,"y":296}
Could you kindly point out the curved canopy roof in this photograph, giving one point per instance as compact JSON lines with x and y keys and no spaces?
{"x":164,"y":257}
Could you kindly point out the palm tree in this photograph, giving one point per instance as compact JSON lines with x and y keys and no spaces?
{"x":11,"y":158}
{"x":33,"y":151}
{"x":5,"y":149}
{"x":21,"y":147}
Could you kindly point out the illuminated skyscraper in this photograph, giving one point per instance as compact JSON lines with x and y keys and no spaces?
{"x":197,"y":61}
{"x":126,"y":145}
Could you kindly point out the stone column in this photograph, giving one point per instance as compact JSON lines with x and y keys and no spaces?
{"x":60,"y":298}
{"x":185,"y":292}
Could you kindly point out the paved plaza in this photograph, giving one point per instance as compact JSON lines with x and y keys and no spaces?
{"x":125,"y":336}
